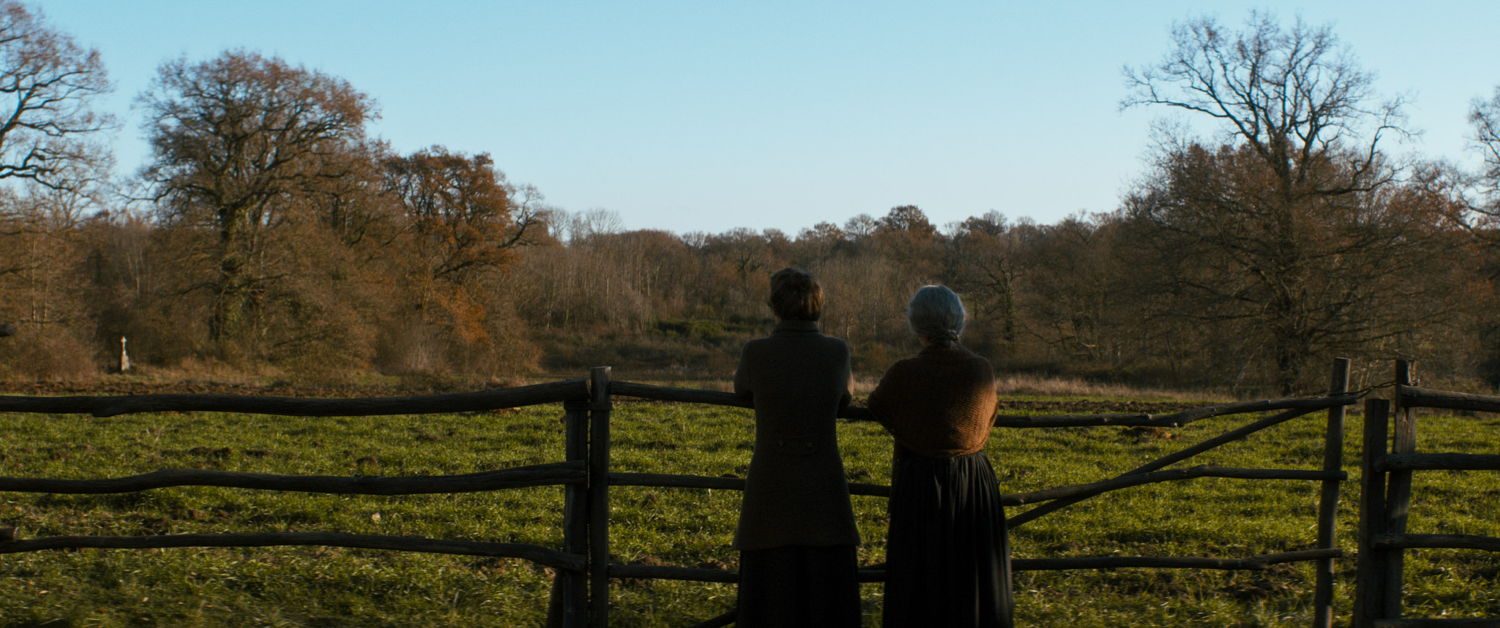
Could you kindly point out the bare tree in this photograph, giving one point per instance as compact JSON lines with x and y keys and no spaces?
{"x":1294,"y":96}
{"x":1485,"y":116}
{"x":1342,"y":272}
{"x":1253,"y":225}
{"x":49,"y":84}
{"x":860,"y":227}
{"x":580,"y":226}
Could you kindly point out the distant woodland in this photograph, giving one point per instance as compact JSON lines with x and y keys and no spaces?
{"x":271,"y":234}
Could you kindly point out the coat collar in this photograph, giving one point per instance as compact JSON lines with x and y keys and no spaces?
{"x":940,"y":346}
{"x":796,"y":327}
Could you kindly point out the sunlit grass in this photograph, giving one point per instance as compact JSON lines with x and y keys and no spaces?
{"x":313,"y":586}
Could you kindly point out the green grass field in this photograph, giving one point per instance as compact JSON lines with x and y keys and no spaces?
{"x":315,"y":586}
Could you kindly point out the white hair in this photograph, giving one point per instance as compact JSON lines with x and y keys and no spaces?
{"x":936,"y":313}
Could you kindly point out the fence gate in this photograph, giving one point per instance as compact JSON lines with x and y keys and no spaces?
{"x":1323,"y":552}
{"x":1385,"y":498}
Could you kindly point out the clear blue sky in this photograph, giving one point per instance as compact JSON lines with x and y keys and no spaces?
{"x":712,"y":115}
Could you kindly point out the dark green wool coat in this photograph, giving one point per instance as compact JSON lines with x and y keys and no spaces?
{"x":796,"y":492}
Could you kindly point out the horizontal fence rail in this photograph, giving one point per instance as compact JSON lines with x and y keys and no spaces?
{"x":1435,"y":623}
{"x":517,"y":477}
{"x":1176,"y":419}
{"x":663,"y":480}
{"x":709,"y":397}
{"x":1439,"y":462}
{"x":877,"y":573}
{"x":1253,"y":563}
{"x":1079,"y":491}
{"x":479,"y":401}
{"x":1437,"y":541}
{"x":534,"y":553}
{"x":857,"y":413}
{"x":1415,"y":397}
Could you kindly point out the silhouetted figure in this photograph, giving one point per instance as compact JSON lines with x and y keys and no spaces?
{"x":946,"y":550}
{"x":796,"y":533}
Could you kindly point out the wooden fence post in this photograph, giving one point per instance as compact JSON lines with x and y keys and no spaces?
{"x":1328,"y":503}
{"x":599,"y":409}
{"x":570,"y":594}
{"x":1369,"y":588}
{"x":1398,"y":491}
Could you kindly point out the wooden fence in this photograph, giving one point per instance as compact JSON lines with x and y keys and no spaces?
{"x":571,"y":562}
{"x":1385,"y":498}
{"x":580,"y":594}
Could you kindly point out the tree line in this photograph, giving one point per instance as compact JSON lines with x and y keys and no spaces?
{"x":269,"y":232}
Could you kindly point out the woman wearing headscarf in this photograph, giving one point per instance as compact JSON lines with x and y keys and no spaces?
{"x":796,"y":534}
{"x":947,"y":559}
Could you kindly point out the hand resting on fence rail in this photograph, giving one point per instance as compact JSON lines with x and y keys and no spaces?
{"x":478,"y":401}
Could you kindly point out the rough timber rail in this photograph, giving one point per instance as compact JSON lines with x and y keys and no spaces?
{"x":581,"y":592}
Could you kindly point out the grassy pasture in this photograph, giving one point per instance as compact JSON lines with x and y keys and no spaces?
{"x":314,"y":586}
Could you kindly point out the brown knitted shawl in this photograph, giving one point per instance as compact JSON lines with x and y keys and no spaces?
{"x":940,"y":403}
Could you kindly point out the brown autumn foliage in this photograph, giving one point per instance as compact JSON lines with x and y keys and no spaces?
{"x":275,"y":237}
{"x":49,"y":83}
{"x":461,"y":225}
{"x":241,"y":145}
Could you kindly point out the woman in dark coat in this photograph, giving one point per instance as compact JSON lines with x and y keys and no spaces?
{"x":946,"y":552}
{"x":796,"y":533}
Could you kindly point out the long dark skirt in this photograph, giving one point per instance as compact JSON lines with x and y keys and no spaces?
{"x":946,"y":550}
{"x":798,"y":586}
